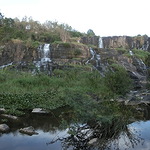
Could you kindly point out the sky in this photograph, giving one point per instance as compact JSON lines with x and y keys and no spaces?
{"x":104,"y":17}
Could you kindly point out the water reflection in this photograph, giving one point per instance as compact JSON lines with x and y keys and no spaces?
{"x":120,"y":133}
{"x":98,"y":136}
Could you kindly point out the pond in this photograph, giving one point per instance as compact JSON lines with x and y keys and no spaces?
{"x":53,"y":134}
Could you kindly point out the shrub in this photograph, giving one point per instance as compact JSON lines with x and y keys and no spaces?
{"x":77,"y":52}
{"x":117,"y":82}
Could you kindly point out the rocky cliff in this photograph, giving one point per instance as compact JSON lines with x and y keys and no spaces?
{"x":138,"y":42}
{"x":69,"y":51}
{"x":17,"y":52}
{"x":90,"y":40}
{"x":126,"y":42}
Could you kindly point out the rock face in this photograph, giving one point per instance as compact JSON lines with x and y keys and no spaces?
{"x":137,"y":42}
{"x":4,"y":128}
{"x":107,"y":49}
{"x":17,"y":52}
{"x":91,"y":40}
{"x":69,"y":51}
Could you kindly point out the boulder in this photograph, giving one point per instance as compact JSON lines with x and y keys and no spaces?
{"x":4,"y":128}
{"x":39,"y":111}
{"x":2,"y":110}
{"x":9,"y":116}
{"x":92,"y":141}
{"x":28,"y":130}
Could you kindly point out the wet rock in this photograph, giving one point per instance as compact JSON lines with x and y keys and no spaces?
{"x":92,"y":141}
{"x":4,"y":128}
{"x":9,"y":116}
{"x":2,"y":110}
{"x":39,"y":111}
{"x":28,"y":130}
{"x":146,"y":98}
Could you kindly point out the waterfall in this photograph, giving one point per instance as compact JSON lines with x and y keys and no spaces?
{"x":4,"y":66}
{"x":147,"y":45}
{"x":92,"y":53}
{"x":131,"y":53}
{"x":44,"y":59}
{"x":101,"y":42}
{"x":95,"y":57}
{"x":140,"y":65}
{"x":98,"y":59}
{"x":45,"y":54}
{"x":95,"y":60}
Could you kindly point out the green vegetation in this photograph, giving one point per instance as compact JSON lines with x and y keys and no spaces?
{"x":32,"y":32}
{"x":65,"y":45}
{"x":86,"y":92}
{"x":90,"y":32}
{"x":141,"y":54}
{"x":122,"y":50}
{"x":118,"y":82}
{"x":76,"y":87}
{"x":77,"y":52}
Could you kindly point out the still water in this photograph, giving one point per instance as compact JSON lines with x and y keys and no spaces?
{"x":133,"y":136}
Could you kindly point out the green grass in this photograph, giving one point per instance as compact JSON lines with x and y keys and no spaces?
{"x":76,"y":87}
{"x":141,"y":54}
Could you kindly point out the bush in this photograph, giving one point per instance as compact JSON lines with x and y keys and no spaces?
{"x":117,"y":82}
{"x":77,"y":52}
{"x":141,"y":54}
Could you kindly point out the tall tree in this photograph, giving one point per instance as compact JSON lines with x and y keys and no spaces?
{"x":90,"y":32}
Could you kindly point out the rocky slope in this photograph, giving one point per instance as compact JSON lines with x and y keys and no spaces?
{"x":113,"y":50}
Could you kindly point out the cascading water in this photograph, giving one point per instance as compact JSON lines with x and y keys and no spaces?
{"x":140,"y":65}
{"x":101,"y":42}
{"x":44,"y":56}
{"x":4,"y":66}
{"x":131,"y":53}
{"x":96,"y":61}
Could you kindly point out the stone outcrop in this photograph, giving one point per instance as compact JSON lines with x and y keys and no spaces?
{"x":134,"y":66}
{"x":4,"y":128}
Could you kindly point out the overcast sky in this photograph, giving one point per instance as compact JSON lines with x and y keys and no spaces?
{"x":104,"y":17}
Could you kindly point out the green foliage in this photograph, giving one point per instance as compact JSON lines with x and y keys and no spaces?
{"x":90,"y":32}
{"x":76,"y":87}
{"x":46,"y":33}
{"x":141,"y":54}
{"x":122,"y":50}
{"x":75,"y":33}
{"x":117,"y":82}
{"x":66,"y":45}
{"x":77,"y":52}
